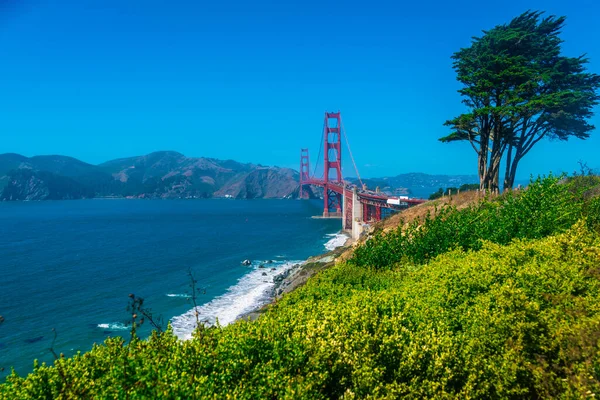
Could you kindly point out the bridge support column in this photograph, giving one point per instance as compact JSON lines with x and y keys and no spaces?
{"x":347,"y":201}
{"x":332,"y":201}
{"x":304,"y":171}
{"x":332,"y":153}
{"x":357,"y":215}
{"x":325,"y":201}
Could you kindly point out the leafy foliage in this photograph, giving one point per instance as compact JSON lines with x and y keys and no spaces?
{"x":520,"y":89}
{"x":506,"y":321}
{"x":545,"y":208}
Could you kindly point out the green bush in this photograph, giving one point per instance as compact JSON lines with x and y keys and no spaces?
{"x":548,"y":206}
{"x":592,"y":211}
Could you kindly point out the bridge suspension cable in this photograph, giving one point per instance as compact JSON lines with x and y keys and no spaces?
{"x":350,"y":152}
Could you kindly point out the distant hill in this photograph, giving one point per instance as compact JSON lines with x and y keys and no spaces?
{"x":29,"y":184}
{"x":164,"y":174}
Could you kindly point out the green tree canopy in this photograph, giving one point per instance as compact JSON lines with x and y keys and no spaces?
{"x":520,"y":89}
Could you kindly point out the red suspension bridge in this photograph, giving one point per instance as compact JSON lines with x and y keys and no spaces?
{"x":354,"y":205}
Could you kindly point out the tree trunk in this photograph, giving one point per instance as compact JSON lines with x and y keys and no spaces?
{"x":494,"y":160}
{"x":494,"y":170}
{"x":482,"y":172}
{"x":482,"y":157}
{"x":513,"y":170}
{"x":508,"y":183}
{"x":496,"y":179}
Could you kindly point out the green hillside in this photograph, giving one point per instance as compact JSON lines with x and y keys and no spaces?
{"x":498,"y":300}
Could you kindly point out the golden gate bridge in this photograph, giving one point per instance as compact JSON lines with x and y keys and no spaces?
{"x":355,"y":205}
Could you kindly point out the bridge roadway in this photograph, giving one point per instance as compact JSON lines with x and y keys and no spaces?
{"x":358,"y":207}
{"x":366,"y":196}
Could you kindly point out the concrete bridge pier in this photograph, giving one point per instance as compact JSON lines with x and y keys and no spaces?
{"x":355,"y":208}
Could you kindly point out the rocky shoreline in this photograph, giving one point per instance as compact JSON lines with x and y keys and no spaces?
{"x":297,"y":276}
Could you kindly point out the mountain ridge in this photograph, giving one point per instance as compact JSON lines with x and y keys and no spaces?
{"x":162,"y":174}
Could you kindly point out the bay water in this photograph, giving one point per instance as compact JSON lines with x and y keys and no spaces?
{"x":69,"y":266}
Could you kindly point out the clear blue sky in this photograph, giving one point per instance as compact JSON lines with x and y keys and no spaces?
{"x":250,"y":80}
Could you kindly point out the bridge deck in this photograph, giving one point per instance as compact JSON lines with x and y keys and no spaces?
{"x":365,"y":196}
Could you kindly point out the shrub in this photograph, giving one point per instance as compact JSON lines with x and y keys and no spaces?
{"x":546,"y":207}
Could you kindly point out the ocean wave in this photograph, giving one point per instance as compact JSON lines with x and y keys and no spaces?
{"x":187,"y":296}
{"x":337,"y":240}
{"x":252,"y":291}
{"x":115,"y":326}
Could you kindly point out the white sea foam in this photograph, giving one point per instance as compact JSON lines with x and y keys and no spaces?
{"x":178,"y":295}
{"x":250,"y":292}
{"x":337,"y":240}
{"x":115,"y":326}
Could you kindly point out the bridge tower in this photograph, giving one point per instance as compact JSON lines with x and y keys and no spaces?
{"x":304,"y":171}
{"x":332,"y":149}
